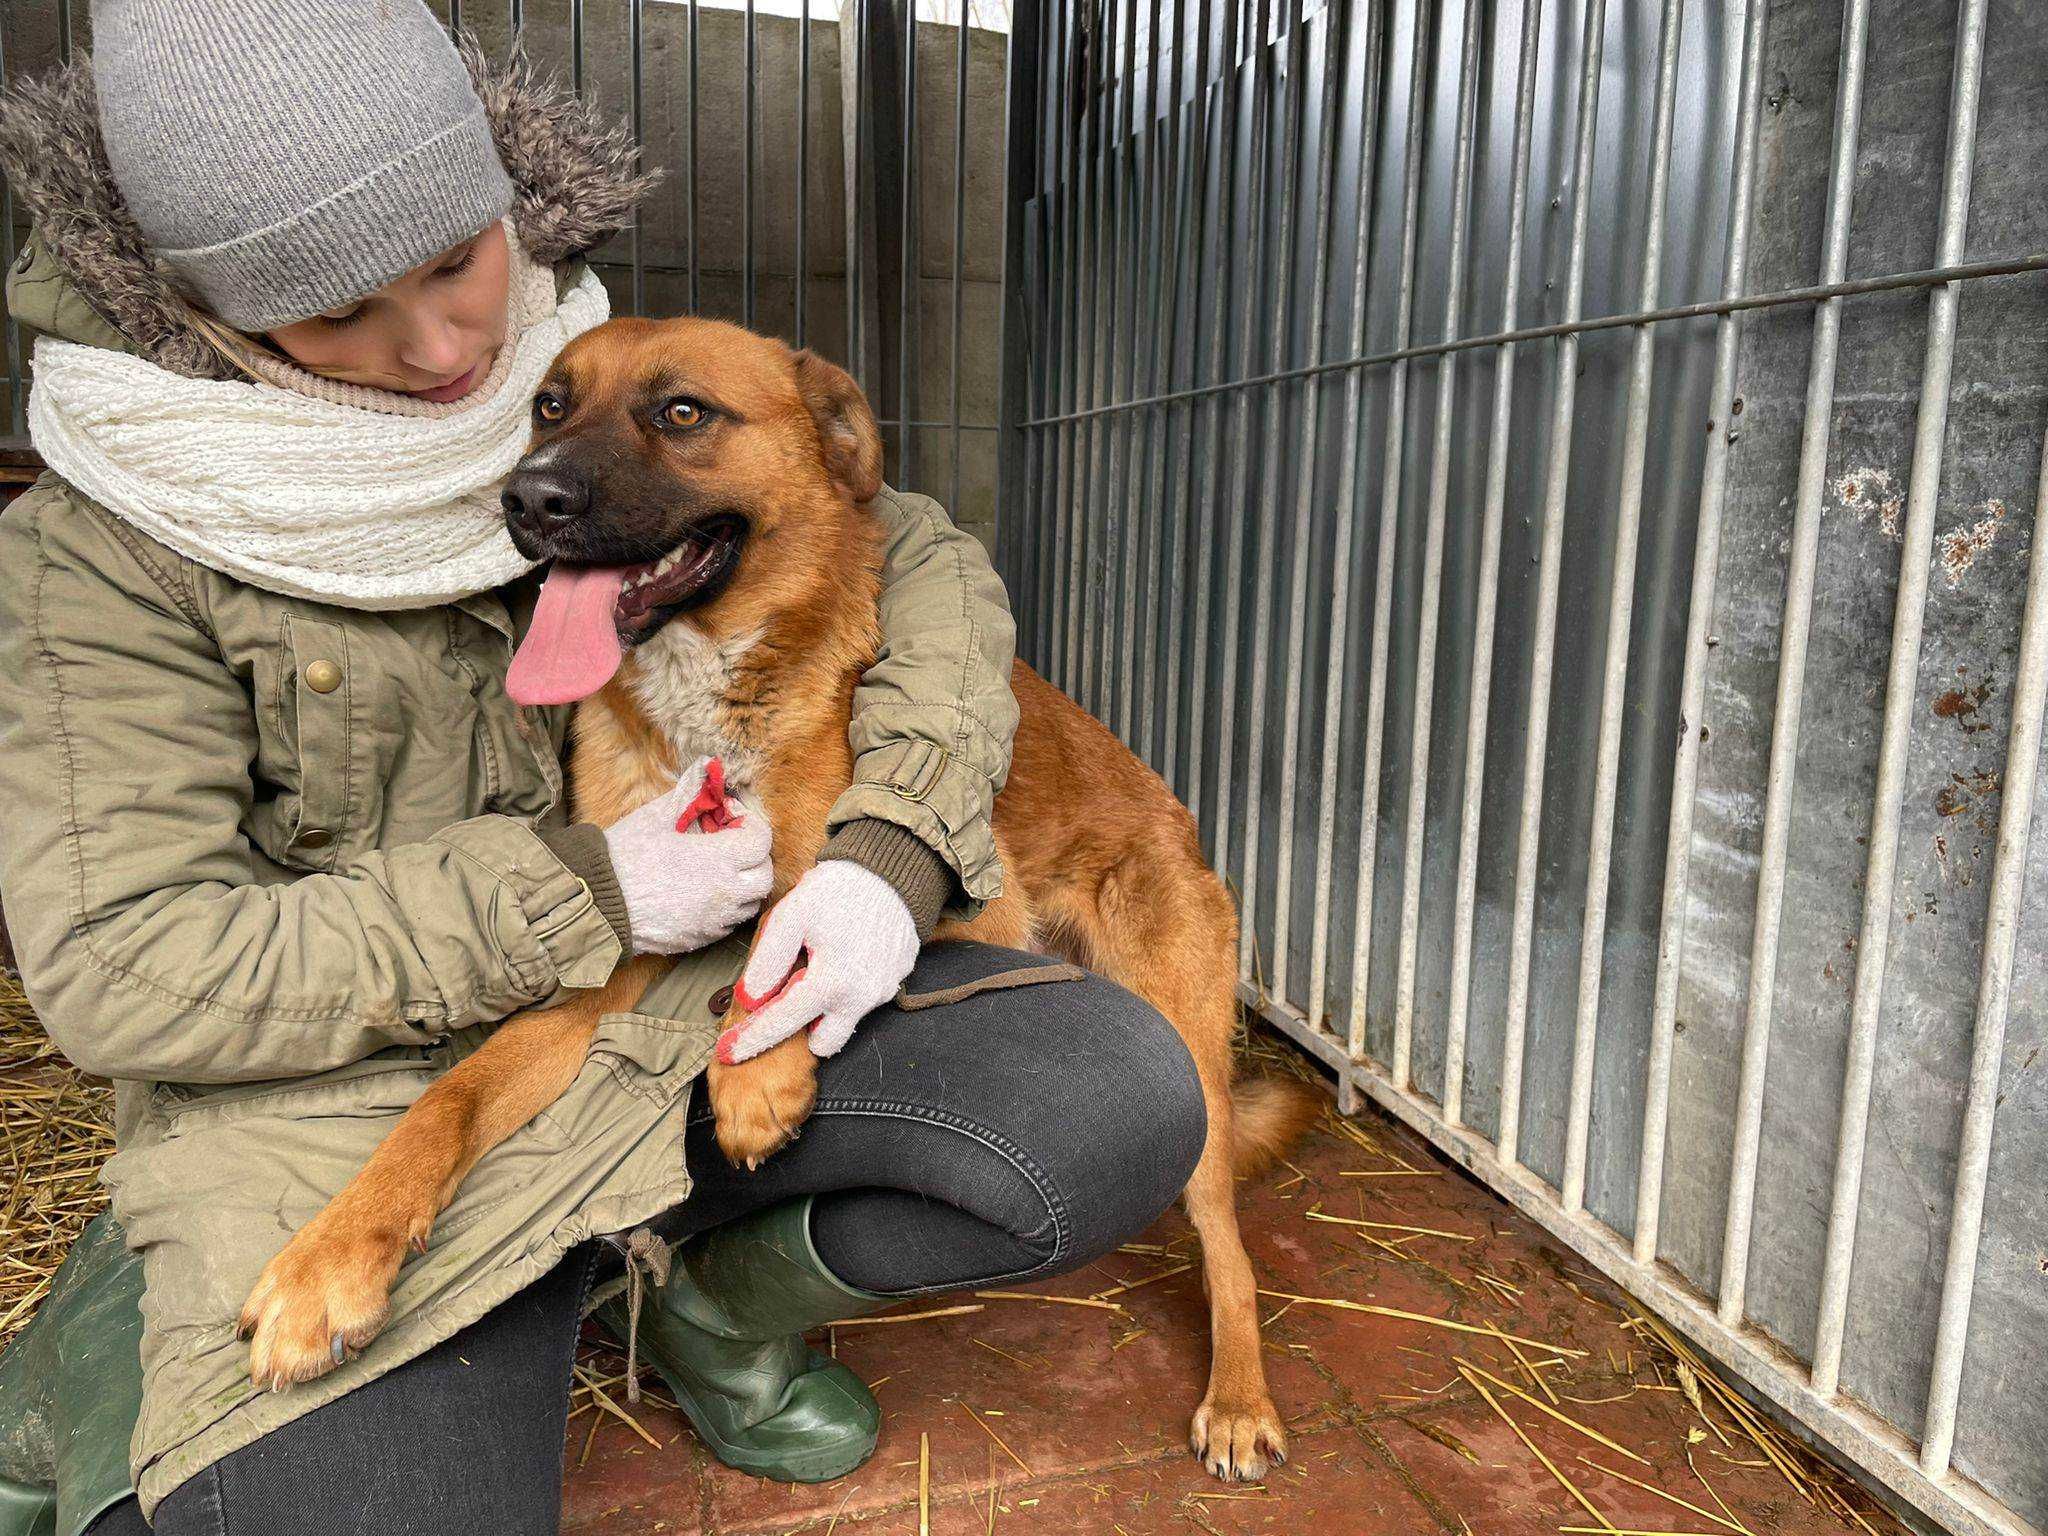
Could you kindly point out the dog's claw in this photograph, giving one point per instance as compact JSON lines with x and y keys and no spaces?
{"x":1238,"y":1445}
{"x":419,"y":1243}
{"x":340,"y":1350}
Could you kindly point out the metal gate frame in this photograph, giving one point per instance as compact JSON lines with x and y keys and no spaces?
{"x":1087,"y":408}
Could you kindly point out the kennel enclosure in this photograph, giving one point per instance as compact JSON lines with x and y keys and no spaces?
{"x":1553,"y":484}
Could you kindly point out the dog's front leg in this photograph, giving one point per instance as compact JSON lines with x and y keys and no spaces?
{"x":759,"y":1103}
{"x":329,"y":1290}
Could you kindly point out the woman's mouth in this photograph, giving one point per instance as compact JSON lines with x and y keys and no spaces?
{"x":440,"y":394}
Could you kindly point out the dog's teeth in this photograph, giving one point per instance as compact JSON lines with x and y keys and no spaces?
{"x":658,"y":569}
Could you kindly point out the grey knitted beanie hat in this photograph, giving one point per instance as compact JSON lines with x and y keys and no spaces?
{"x":284,"y":157}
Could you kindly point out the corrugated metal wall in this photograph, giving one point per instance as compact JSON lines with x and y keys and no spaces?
{"x":1344,"y":481}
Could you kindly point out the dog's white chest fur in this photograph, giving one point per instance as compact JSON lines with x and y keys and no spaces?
{"x":681,"y":683}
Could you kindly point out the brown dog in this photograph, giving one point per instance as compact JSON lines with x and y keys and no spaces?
{"x":750,"y":464}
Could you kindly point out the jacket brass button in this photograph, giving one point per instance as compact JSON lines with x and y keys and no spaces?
{"x":315,"y":837}
{"x":721,"y":1000}
{"x":323,"y":676}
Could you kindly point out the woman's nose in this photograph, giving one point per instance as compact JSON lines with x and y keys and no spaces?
{"x":434,"y":346}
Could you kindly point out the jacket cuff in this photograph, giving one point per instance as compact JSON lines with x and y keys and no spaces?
{"x":571,"y":937}
{"x":932,"y":795}
{"x":583,"y":849}
{"x":913,"y":871}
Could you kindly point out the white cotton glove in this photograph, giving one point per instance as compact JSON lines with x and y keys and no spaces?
{"x":833,"y":950}
{"x":685,"y":889}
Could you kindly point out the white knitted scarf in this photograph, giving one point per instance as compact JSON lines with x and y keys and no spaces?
{"x":345,"y":503}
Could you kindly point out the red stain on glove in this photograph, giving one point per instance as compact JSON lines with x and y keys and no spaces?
{"x":747,"y":1003}
{"x":709,"y":811}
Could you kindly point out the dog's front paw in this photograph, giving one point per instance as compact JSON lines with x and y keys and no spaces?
{"x":325,"y":1295}
{"x":760,"y":1103}
{"x":1238,"y":1442}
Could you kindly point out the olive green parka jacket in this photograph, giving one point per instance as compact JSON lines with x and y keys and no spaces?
{"x":273,"y":866}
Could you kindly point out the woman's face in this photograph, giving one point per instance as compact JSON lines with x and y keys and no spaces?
{"x":432,"y":332}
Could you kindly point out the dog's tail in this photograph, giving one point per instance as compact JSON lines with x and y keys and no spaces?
{"x":1268,"y":1115}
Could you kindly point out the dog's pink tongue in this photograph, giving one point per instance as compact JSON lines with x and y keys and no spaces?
{"x":572,"y":647}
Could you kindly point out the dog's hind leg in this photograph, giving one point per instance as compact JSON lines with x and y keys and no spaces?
{"x":1169,"y":934}
{"x":1236,"y":1430}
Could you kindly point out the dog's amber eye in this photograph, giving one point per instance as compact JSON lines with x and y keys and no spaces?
{"x":549,"y":408}
{"x":682,"y":412}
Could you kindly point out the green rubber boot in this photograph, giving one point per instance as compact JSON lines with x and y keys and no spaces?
{"x":70,"y":1391}
{"x":726,"y":1334}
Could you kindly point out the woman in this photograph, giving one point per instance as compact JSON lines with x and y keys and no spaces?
{"x":278,"y":848}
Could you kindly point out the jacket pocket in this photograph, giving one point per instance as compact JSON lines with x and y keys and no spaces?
{"x":321,"y":694}
{"x":651,"y":1058}
{"x":379,"y":1084}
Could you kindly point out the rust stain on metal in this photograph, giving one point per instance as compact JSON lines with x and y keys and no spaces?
{"x":1871,"y":492}
{"x":1971,"y":794}
{"x":1961,"y":545}
{"x":1959,"y":704}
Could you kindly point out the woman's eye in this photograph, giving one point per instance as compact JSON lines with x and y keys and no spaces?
{"x":340,"y":320}
{"x":456,"y":268}
{"x":549,"y":408}
{"x":682,"y":413}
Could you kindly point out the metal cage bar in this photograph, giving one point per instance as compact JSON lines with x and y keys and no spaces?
{"x":750,"y":135}
{"x":637,"y":20}
{"x":1146,"y":276}
{"x":1191,"y":228}
{"x":1698,"y":645}
{"x":1466,"y":902}
{"x":1239,"y":445}
{"x":1266,"y":525}
{"x":908,"y":257}
{"x":1346,"y":509}
{"x":1435,"y":515}
{"x":1205,"y":479}
{"x":1388,"y":535}
{"x":1304,"y":505}
{"x":1994,"y":998}
{"x":1798,"y":622}
{"x":1564,"y":397}
{"x":959,"y":249}
{"x":1930,"y":277}
{"x":1909,"y":614}
{"x":1170,"y":207}
{"x":576,"y":47}
{"x":1621,"y":595}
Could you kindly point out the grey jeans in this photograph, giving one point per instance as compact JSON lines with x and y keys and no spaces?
{"x":1005,"y":1134}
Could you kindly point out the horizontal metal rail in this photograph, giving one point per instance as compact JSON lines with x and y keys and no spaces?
{"x":1933,"y":277}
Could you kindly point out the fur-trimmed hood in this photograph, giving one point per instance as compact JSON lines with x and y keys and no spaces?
{"x":573,"y":176}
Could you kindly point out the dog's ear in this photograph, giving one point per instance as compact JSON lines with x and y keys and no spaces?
{"x":847,"y":432}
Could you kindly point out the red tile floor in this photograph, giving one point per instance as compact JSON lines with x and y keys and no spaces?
{"x":1040,"y":1415}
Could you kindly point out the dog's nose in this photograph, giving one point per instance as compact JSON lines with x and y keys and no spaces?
{"x":543,"y":499}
